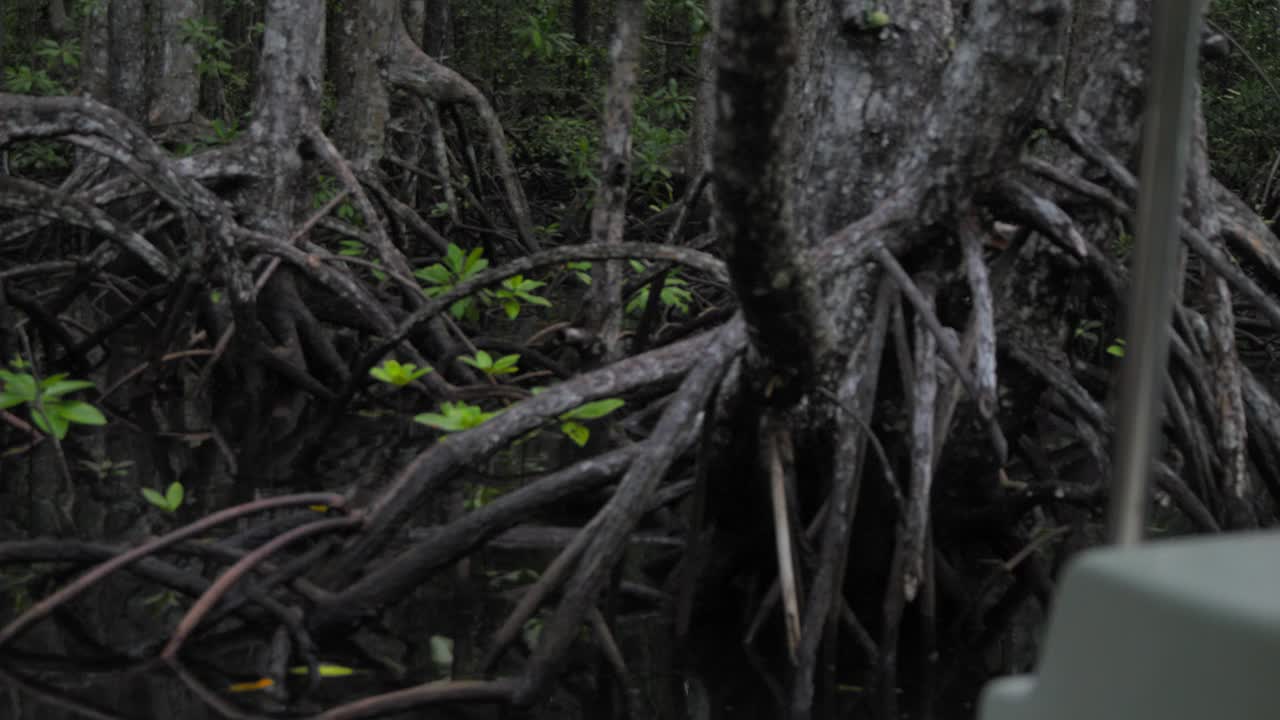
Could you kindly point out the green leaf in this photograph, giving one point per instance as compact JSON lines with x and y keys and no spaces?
{"x":394,"y":373}
{"x":439,"y":422}
{"x":512,"y":308}
{"x":460,"y":308}
{"x":8,"y":400}
{"x":593,"y":410}
{"x":441,"y":653}
{"x":1116,"y":349}
{"x":675,"y":297}
{"x":577,"y":432}
{"x":60,"y":387}
{"x":474,"y":264}
{"x":455,"y":259}
{"x":19,"y":384}
{"x":506,"y":364}
{"x":54,"y":425}
{"x":78,"y":412}
{"x":173,"y":496}
{"x":455,"y":416}
{"x":531,"y":632}
{"x":435,"y":274}
{"x":155,"y":498}
{"x":639,"y":301}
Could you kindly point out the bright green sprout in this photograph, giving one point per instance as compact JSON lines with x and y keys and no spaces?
{"x":458,"y":267}
{"x":58,"y":414}
{"x":170,"y":501}
{"x":576,"y":431}
{"x":581,"y":270}
{"x":485,"y":363}
{"x":516,"y":290}
{"x":394,"y":373}
{"x":674,"y":293}
{"x":455,"y":417}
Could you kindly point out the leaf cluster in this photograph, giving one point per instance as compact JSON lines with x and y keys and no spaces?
{"x":397,"y":374}
{"x":46,"y":403}
{"x":458,"y":266}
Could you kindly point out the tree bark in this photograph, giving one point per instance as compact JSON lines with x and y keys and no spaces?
{"x":127,"y":20}
{"x":603,"y":309}
{"x":368,"y":33}
{"x":175,"y":86}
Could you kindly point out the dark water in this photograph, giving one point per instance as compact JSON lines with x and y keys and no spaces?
{"x":96,"y":657}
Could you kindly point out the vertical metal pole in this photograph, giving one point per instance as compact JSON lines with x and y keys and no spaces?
{"x":1166,"y":140}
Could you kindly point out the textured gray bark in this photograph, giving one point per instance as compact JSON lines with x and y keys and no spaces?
{"x":414,"y":15}
{"x":702,"y":127}
{"x":175,"y":87}
{"x":95,"y":55}
{"x":842,"y":138}
{"x":287,"y":106}
{"x":603,"y":308}
{"x":752,"y":153}
{"x":845,"y":145}
{"x":127,"y":28}
{"x":367,"y":35}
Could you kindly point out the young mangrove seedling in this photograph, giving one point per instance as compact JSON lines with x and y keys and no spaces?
{"x":170,"y":501}
{"x":455,"y":417}
{"x":484,"y":362}
{"x":398,"y":374}
{"x":45,"y":401}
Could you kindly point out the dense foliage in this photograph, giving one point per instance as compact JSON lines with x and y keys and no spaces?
{"x":1242,"y":101}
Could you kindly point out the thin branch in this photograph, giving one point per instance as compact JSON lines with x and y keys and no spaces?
{"x":946,"y":343}
{"x":72,"y":590}
{"x":619,"y":516}
{"x":228,"y":579}
{"x":923,"y":407}
{"x":983,"y":315}
{"x":1044,"y":215}
{"x":769,"y":441}
{"x":444,"y":691}
{"x":861,"y":377}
